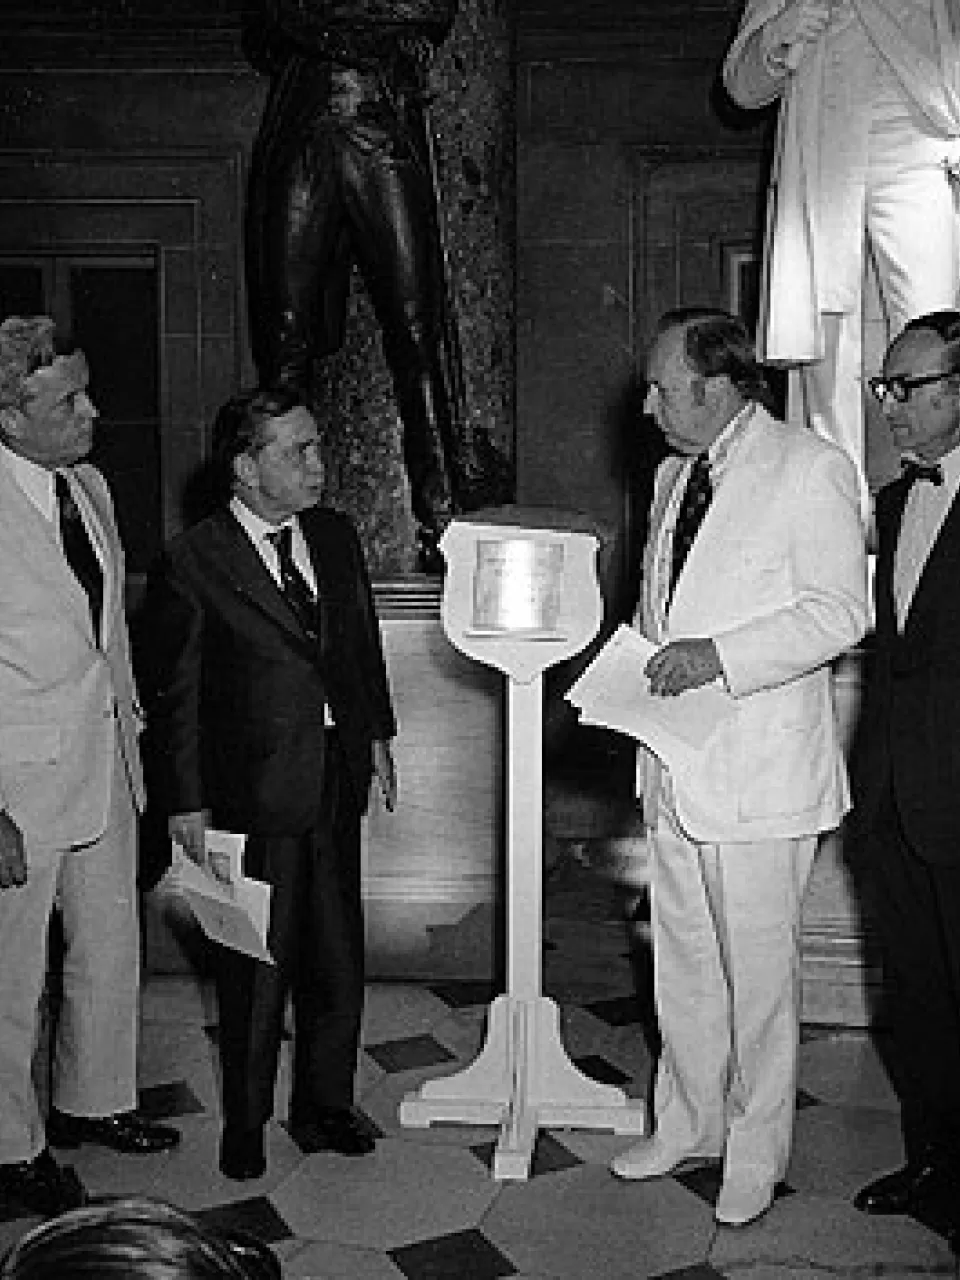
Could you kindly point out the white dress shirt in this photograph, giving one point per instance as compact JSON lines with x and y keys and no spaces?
{"x":38,"y":484}
{"x":35,"y":481}
{"x":259,"y":530}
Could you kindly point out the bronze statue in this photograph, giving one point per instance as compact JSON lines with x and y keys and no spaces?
{"x":343,"y":174}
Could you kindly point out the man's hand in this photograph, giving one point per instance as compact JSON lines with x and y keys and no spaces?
{"x":386,"y":772}
{"x":189,"y":830}
{"x":682,"y":665}
{"x":13,"y":858}
{"x":800,"y":23}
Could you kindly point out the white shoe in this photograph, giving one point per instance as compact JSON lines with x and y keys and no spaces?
{"x":742,"y":1199}
{"x":655,"y":1157}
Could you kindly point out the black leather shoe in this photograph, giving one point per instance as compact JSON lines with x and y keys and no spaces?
{"x":241,"y":1153}
{"x":339,"y":1129}
{"x":40,"y":1186}
{"x":907,"y":1189}
{"x":126,"y":1131}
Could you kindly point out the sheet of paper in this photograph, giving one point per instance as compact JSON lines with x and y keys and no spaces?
{"x":615,"y":693}
{"x":235,"y":914}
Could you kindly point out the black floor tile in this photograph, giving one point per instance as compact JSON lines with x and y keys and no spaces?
{"x":704,"y":1181}
{"x":598,"y":1068}
{"x":256,"y":1216}
{"x":549,"y":1156}
{"x":701,"y":1271}
{"x":409,"y":1054}
{"x":621,"y":1011}
{"x":167,"y":1101}
{"x":465,"y":1255}
{"x":465,"y":992}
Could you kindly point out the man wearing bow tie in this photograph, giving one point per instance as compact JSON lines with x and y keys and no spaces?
{"x":755,"y":578}
{"x":911,"y":765}
{"x":268,"y":694}
{"x":70,"y":781}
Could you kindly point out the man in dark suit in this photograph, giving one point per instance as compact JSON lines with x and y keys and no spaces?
{"x":911,"y":737}
{"x":272,"y":711}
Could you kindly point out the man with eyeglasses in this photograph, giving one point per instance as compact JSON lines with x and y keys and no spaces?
{"x":269,"y":703}
{"x":911,"y":766}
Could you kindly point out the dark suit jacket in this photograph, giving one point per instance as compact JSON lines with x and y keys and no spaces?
{"x":236,"y":690}
{"x":911,"y":730}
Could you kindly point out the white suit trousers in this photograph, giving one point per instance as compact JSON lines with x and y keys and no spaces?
{"x":911,"y":229}
{"x":94,"y":1059}
{"x":726,"y":923}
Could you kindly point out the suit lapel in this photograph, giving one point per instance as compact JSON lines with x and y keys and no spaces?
{"x":941,"y":563}
{"x":745,"y":487}
{"x":250,"y":577}
{"x":33,"y":536}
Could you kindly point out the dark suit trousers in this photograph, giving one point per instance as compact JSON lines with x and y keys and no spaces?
{"x":918,"y":912}
{"x":316,"y":938}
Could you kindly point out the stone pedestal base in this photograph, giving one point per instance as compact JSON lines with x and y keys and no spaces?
{"x":431,"y":869}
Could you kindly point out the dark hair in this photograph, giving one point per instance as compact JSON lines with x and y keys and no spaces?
{"x":717,"y":344}
{"x":137,"y":1239}
{"x":239,"y":425}
{"x":946,"y":325}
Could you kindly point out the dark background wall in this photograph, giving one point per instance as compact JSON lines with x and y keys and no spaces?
{"x":126,"y":125}
{"x":638,"y":188}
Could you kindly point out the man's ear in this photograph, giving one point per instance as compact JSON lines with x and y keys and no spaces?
{"x":10,"y":419}
{"x":245,"y":470}
{"x":716,"y":390}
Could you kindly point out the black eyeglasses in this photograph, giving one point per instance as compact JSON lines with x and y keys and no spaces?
{"x":903,"y":388}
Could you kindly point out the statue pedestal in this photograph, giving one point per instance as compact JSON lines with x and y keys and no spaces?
{"x":519,"y":600}
{"x":431,"y":868}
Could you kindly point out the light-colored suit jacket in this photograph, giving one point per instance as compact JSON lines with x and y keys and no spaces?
{"x":777,"y":577}
{"x":64,"y":701}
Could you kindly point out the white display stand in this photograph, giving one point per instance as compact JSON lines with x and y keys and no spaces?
{"x":521,"y":599}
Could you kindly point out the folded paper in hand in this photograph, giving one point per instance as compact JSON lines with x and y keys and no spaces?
{"x":615,"y":693}
{"x":236,"y":913}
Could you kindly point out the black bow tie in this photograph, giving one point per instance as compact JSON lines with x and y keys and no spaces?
{"x":912,"y":470}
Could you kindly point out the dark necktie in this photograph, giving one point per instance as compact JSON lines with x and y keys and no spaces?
{"x":295,"y":588}
{"x":693,"y":507}
{"x":79,"y":551}
{"x":912,"y":469}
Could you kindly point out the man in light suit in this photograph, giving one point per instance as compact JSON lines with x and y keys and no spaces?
{"x":910,"y":766}
{"x":868,"y":130}
{"x":70,"y":781}
{"x":760,"y":598}
{"x":269,"y":696}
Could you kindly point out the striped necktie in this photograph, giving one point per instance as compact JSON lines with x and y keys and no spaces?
{"x":693,"y":507}
{"x":295,"y":587}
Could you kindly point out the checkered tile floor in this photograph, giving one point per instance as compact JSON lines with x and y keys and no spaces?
{"x":425,"y":1206}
